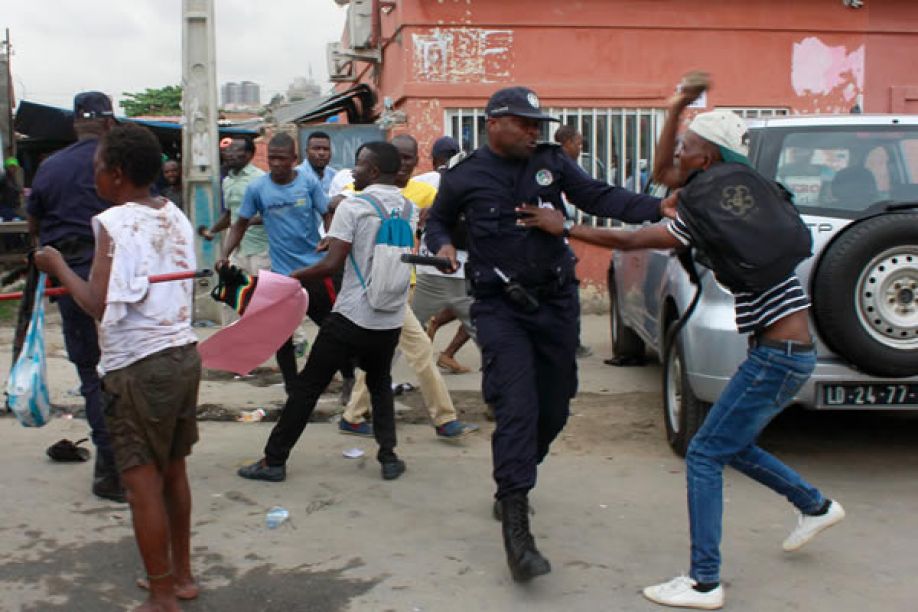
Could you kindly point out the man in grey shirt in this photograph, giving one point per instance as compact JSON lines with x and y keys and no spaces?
{"x":354,"y":330}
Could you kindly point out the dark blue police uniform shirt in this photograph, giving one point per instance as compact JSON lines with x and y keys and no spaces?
{"x":64,"y":198}
{"x":487,"y":188}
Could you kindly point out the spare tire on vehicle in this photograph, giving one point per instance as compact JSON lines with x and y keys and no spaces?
{"x":865,"y":295}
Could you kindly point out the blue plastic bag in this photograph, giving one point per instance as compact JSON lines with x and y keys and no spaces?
{"x":27,"y":387}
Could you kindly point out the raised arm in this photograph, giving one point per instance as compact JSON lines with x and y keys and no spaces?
{"x":665,"y":170}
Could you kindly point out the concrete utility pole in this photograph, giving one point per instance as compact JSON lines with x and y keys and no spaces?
{"x":6,"y":96}
{"x":200,"y":154}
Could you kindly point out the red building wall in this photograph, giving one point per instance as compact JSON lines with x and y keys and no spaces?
{"x":803,"y":55}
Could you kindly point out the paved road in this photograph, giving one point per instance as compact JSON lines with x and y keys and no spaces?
{"x":610,"y":514}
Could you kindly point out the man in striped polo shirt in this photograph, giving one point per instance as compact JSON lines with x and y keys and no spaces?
{"x":781,"y":357}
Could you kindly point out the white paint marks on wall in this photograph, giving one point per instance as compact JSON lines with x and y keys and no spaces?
{"x":818,"y":69}
{"x":463,"y":55}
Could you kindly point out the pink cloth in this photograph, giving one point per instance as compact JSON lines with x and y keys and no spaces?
{"x":276,"y":309}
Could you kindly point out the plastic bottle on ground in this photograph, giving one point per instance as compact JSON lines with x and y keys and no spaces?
{"x":251,"y":416}
{"x":276,"y":516}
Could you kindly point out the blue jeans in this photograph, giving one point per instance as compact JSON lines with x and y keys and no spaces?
{"x":764,"y":384}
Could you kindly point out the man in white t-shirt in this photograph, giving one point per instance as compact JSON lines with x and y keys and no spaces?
{"x":439,"y":297}
{"x":354,"y":330}
{"x":444,"y":149}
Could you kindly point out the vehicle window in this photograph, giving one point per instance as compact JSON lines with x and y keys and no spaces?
{"x":878,"y":163}
{"x":848,"y":169}
{"x":909,"y":152}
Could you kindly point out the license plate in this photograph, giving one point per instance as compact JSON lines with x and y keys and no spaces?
{"x":874,"y":394}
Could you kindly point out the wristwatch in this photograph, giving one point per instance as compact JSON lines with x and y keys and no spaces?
{"x":566,"y":228}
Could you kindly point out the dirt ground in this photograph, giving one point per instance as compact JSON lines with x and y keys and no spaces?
{"x":609,"y":509}
{"x":592,"y":427}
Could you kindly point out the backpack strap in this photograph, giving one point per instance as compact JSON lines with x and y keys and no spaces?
{"x":407,"y":209}
{"x":366,"y":197}
{"x":373,"y":202}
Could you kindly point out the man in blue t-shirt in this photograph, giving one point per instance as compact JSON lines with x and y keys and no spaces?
{"x":61,"y":205}
{"x":290,"y":203}
{"x":318,"y":154}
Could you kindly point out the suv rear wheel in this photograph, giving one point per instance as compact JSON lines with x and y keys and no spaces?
{"x":683,"y":413}
{"x":865,"y":295}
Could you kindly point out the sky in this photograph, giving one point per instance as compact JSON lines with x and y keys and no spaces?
{"x":61,"y":47}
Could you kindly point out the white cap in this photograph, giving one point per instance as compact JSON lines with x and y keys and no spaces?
{"x":723,"y":128}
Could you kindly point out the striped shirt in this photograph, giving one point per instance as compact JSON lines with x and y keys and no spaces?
{"x":755,"y":311}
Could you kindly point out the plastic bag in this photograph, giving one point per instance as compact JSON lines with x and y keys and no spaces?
{"x":27,"y":387}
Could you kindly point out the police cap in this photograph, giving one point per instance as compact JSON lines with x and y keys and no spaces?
{"x":92,"y":105}
{"x":518,"y":102}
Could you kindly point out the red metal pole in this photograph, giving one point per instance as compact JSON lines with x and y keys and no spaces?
{"x":155,"y":278}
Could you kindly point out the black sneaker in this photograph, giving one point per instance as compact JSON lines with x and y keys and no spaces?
{"x":262,"y":471}
{"x":393,"y":469}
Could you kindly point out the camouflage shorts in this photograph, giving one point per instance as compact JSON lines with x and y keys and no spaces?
{"x":151,"y":407}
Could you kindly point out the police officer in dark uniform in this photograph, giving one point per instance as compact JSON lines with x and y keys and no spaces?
{"x":60,"y":209}
{"x":527,"y":308}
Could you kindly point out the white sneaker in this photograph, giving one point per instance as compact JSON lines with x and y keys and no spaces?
{"x":679,"y":593}
{"x":808,"y":527}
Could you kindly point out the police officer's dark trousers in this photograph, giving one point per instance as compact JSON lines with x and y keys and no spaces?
{"x":82,"y":343}
{"x":530,"y":375}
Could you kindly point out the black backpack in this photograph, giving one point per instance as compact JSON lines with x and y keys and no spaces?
{"x":744,"y":227}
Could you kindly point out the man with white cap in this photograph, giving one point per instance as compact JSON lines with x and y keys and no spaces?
{"x":711,"y":162}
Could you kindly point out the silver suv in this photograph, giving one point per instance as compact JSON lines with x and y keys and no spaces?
{"x":855,"y":181}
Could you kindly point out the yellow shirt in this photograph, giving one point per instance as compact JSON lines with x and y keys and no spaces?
{"x":419,"y":193}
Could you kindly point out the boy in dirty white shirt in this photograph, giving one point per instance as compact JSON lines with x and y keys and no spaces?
{"x":152,"y":369}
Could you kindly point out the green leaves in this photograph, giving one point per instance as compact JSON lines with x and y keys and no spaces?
{"x":153,"y":101}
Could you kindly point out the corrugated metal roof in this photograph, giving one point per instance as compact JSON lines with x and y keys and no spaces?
{"x":293,"y":111}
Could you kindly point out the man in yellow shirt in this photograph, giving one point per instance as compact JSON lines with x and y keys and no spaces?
{"x":413,"y":341}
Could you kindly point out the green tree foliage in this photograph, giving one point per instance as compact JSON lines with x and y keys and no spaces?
{"x":162,"y":101}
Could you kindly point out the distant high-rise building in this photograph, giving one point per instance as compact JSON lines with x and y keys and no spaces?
{"x":302,"y":89}
{"x":244,"y":94}
{"x":251,"y":93}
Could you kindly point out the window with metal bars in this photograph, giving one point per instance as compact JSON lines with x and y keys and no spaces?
{"x":618,"y":143}
{"x":748,"y":112}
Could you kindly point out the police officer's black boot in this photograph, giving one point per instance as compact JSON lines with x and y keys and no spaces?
{"x":106,"y":482}
{"x":524,"y":559}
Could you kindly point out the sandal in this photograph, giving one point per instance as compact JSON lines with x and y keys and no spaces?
{"x":66,"y":451}
{"x":449,"y":364}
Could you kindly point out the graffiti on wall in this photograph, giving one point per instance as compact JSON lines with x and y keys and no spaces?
{"x":829,"y":78}
{"x":457,"y":55}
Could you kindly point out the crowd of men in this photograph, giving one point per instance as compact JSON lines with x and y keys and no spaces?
{"x":498,"y":215}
